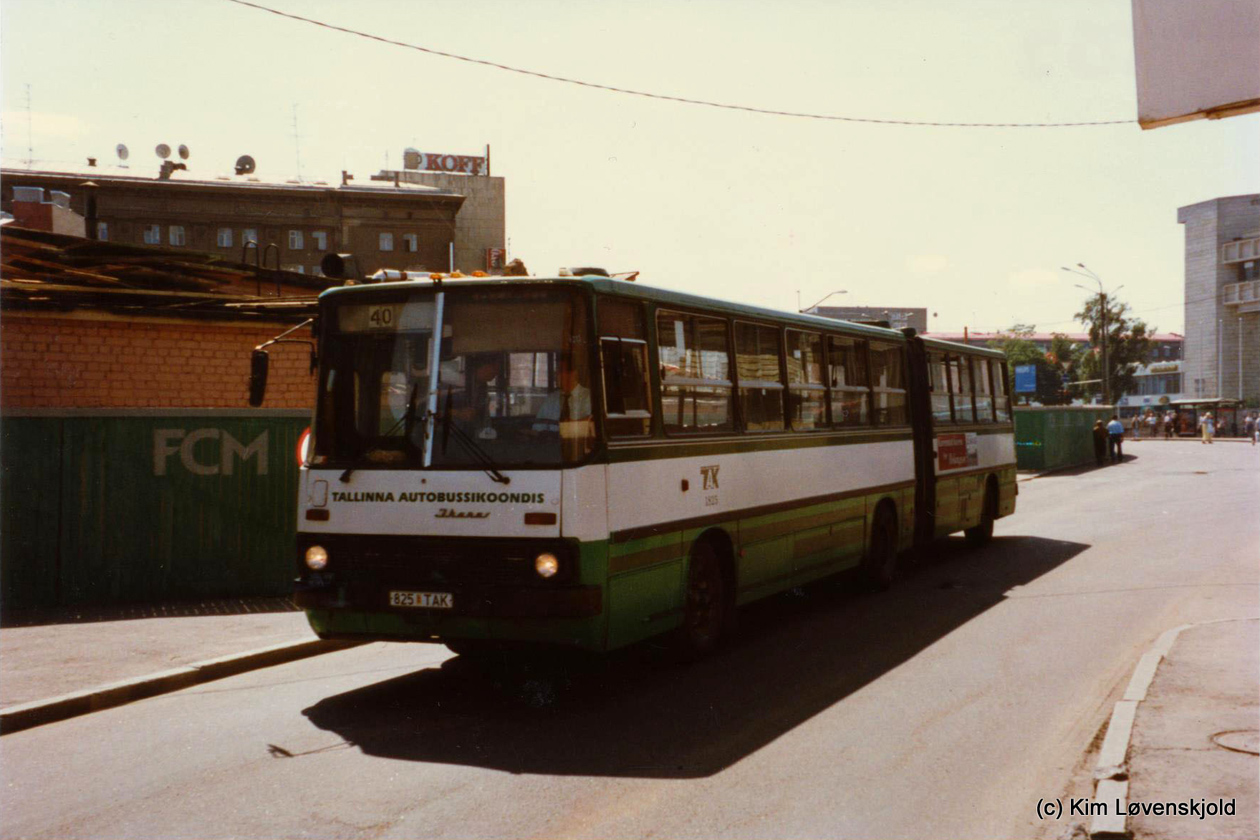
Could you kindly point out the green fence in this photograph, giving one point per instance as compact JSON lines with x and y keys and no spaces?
{"x":1054,"y":437}
{"x":112,"y":507}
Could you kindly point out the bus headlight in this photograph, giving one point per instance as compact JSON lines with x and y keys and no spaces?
{"x":316,"y":557}
{"x":546,"y":564}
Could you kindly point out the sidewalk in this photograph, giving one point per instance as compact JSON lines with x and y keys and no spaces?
{"x":74,"y":664}
{"x":1194,"y":738}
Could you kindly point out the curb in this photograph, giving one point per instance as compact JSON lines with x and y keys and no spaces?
{"x":1112,"y":771}
{"x":39,"y":712}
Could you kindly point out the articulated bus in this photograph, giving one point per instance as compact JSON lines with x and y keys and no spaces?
{"x":589,"y":462}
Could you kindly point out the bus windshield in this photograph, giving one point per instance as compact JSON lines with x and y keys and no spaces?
{"x":512,"y":380}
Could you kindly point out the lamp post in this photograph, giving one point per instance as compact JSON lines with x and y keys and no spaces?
{"x":1102,"y":305}
{"x":816,"y":305}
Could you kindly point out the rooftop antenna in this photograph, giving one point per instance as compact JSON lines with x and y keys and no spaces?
{"x":123,"y":153}
{"x":297,"y":147}
{"x":30,"y":145}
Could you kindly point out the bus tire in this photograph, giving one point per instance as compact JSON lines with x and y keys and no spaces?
{"x":880,"y":567}
{"x":705,"y":606}
{"x":983,"y":532}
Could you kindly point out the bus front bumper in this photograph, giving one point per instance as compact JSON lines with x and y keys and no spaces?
{"x":490,"y":602}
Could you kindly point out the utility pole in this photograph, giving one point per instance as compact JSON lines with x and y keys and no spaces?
{"x":1102,"y":302}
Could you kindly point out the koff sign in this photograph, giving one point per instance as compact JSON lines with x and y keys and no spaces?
{"x":434,"y":162}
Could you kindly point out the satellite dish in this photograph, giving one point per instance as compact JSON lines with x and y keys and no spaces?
{"x":123,"y":151}
{"x":245,"y":165}
{"x":183,"y":152}
{"x":163,"y":151}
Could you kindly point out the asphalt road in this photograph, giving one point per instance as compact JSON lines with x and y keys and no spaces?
{"x":944,"y":708}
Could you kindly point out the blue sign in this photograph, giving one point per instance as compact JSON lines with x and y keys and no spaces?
{"x":1025,"y":379}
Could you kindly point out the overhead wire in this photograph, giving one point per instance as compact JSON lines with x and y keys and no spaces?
{"x":666,"y":97}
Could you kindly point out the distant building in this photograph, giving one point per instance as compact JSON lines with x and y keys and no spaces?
{"x":1222,"y":304}
{"x":416,"y":222}
{"x":1166,"y":347}
{"x":897,"y":317}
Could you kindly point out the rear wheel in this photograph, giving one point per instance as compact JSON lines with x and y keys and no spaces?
{"x":880,"y":568}
{"x":983,"y":532}
{"x":705,"y":611}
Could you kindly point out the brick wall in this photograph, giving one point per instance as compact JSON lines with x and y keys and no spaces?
{"x":95,"y":361}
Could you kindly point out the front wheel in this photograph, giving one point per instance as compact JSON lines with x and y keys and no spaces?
{"x":880,"y":569}
{"x":706,"y":606}
{"x":983,"y":532}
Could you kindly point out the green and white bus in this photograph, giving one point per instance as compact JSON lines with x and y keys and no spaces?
{"x":588,"y":462}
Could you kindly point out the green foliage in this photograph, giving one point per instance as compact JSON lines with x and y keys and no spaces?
{"x":1128,"y":345}
{"x":1020,"y":350}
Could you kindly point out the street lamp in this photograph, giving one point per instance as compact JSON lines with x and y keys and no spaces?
{"x":829,"y":294}
{"x":1102,"y":306}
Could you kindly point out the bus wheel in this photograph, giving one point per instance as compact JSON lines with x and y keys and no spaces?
{"x":982,"y":533}
{"x":880,"y":568}
{"x":705,"y":609}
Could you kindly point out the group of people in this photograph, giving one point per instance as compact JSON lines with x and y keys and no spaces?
{"x":1107,"y":440}
{"x":1109,"y":436}
{"x":1151,"y":424}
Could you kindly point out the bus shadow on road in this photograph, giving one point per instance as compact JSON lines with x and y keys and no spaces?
{"x":630,"y":715}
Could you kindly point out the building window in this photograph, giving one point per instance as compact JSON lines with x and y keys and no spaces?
{"x":249,"y":235}
{"x":102,"y":231}
{"x":296,"y":242}
{"x":411,"y":242}
{"x":177,"y":235}
{"x":225,"y":238}
{"x":152,"y":234}
{"x":321,"y":240}
{"x":387,"y":241}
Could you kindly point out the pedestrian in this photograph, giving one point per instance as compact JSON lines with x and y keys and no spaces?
{"x":1249,"y":426}
{"x":1152,"y":423}
{"x":1135,"y":426}
{"x":1207,"y":427}
{"x":1100,"y":442}
{"x":1170,"y":424}
{"x":1115,"y":434}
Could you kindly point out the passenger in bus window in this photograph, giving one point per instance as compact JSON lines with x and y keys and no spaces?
{"x":571,"y":401}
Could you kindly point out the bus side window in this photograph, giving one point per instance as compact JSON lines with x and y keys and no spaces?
{"x":1001,"y":402}
{"x":888,"y":384}
{"x":760,"y":378}
{"x":695,"y":373}
{"x":939,"y":378}
{"x":960,"y":378}
{"x":850,"y":385}
{"x":623,"y":353}
{"x":984,"y":392}
{"x":807,"y":394}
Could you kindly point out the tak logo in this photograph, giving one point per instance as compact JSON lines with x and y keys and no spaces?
{"x":709,"y":474}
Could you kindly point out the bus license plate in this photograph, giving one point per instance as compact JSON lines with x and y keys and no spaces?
{"x":423,"y":600}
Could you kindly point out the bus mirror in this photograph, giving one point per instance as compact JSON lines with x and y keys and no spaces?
{"x":258,"y":362}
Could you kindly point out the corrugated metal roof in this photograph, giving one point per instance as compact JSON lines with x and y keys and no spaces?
{"x":51,"y":271}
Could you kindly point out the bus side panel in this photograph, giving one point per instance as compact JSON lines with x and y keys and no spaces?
{"x":1007,"y":491}
{"x":948,"y":506}
{"x":645,"y":587}
{"x":830,"y":540}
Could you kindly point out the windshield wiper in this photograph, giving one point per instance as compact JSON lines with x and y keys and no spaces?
{"x":407,"y":421}
{"x":471,"y":446}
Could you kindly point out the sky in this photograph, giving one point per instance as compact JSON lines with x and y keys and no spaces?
{"x":779,"y":211}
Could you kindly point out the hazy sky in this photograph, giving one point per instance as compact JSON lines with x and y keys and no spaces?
{"x":972,"y":223}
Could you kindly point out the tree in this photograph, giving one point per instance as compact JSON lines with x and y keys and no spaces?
{"x":1128,"y":345}
{"x":1019,"y":348}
